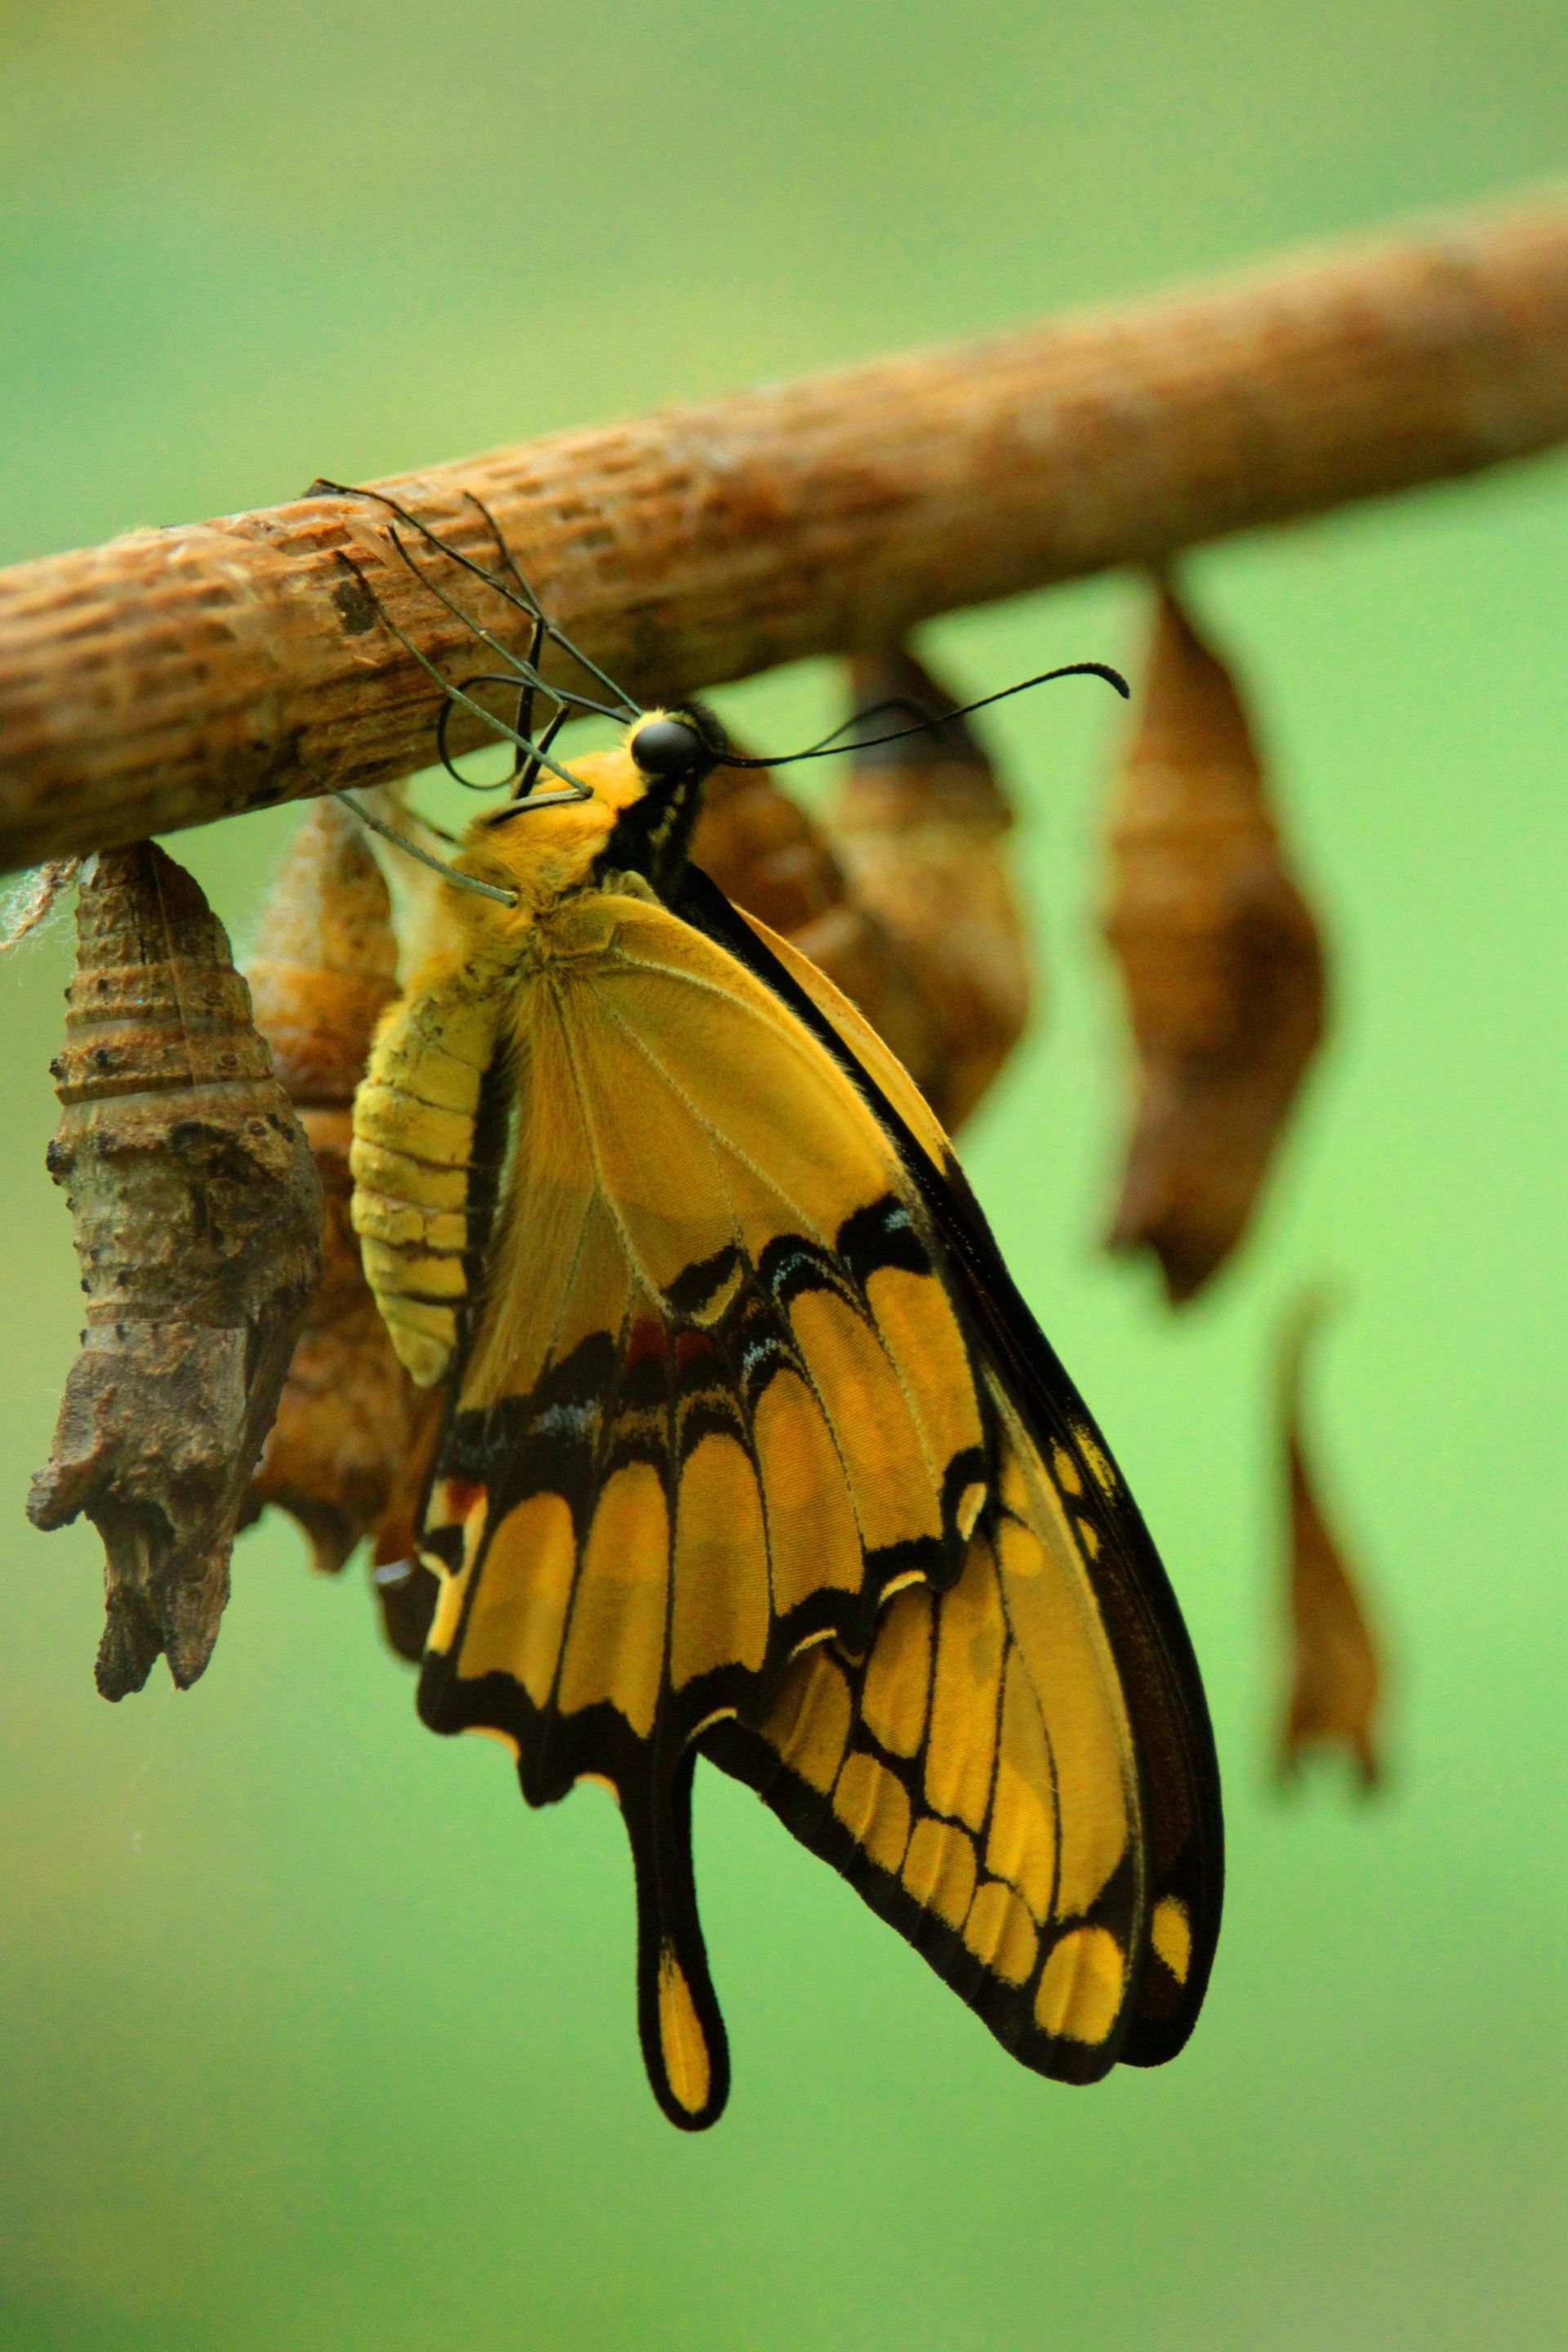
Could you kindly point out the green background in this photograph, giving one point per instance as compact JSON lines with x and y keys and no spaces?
{"x":311,"y":2039}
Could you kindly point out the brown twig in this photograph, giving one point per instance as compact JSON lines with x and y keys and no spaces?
{"x":172,"y":677}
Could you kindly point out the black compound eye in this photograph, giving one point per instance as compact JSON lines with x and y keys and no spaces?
{"x":667,"y":747}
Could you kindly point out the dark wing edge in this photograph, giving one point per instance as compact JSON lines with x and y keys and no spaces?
{"x":1173,"y":1734}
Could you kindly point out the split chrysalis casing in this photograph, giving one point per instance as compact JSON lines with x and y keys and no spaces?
{"x":197,"y":1215}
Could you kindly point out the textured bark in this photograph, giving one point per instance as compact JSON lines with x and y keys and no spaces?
{"x":1220,"y":958}
{"x":350,"y":1421}
{"x":1335,"y":1680}
{"x":198,"y":1217}
{"x":172,"y":676}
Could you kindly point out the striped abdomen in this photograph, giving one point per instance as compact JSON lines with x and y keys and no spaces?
{"x":415,"y":1117}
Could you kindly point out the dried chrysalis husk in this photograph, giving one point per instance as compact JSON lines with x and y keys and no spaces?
{"x":1221,"y":960}
{"x":1335,"y":1679}
{"x":903,"y":896}
{"x":346,"y":1452}
{"x":921,"y":828}
{"x":197,"y":1214}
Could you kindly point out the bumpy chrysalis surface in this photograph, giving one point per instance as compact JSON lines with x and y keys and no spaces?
{"x":350,"y":1421}
{"x":1220,"y":958}
{"x":197,"y":1214}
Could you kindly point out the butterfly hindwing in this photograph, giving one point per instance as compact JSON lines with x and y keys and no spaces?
{"x":973,"y":1776}
{"x":1182,"y":1825}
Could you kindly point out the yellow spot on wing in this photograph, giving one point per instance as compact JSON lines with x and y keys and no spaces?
{"x":893,"y":1477}
{"x":721,"y":1593}
{"x":970,"y":1504}
{"x":1062,"y":1645}
{"x":1080,"y":1985}
{"x":915,"y":1317}
{"x":1000,"y":1932}
{"x":448,"y":1610}
{"x":681,"y":2040}
{"x":615,"y":1642}
{"x":1101,"y":1468}
{"x":1066,"y":1472}
{"x":962,"y":1743}
{"x":811,"y":1719}
{"x":812,"y":1534}
{"x":1021,"y":1845}
{"x":938,"y":1870}
{"x":898,"y":1680}
{"x":514,"y":1627}
{"x":872,"y":1806}
{"x":1170,"y":1933}
{"x":490,"y":1731}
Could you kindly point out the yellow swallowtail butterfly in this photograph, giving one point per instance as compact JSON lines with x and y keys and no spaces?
{"x":753,"y":1451}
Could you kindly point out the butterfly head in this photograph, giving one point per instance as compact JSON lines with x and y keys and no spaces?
{"x":671,"y":754}
{"x":638,"y":804}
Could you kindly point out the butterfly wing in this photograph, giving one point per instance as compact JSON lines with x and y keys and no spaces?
{"x":973,"y":1776}
{"x":1080,"y":1506}
{"x":741,"y":1420}
{"x":718,"y":1405}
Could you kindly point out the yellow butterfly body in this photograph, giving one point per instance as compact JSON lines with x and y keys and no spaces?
{"x":754,"y":1452}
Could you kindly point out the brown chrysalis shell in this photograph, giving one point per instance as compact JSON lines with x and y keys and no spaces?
{"x":197,"y":1214}
{"x":347,"y":1451}
{"x":771,"y":858}
{"x":903,"y":896}
{"x":1220,"y":957}
{"x":920,"y":827}
{"x":1335,"y":1679}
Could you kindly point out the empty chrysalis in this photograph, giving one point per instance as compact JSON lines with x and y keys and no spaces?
{"x":1335,"y":1678}
{"x":1220,"y":957}
{"x":350,"y":1421}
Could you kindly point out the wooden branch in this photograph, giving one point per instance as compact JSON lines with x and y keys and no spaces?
{"x":172,"y":677}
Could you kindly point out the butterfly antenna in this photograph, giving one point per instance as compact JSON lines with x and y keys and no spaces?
{"x":931,"y":722}
{"x":527,"y":798}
